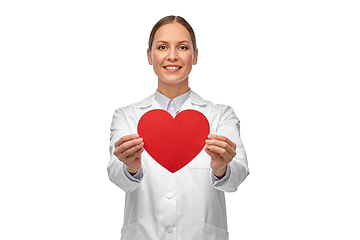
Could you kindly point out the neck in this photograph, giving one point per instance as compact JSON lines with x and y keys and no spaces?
{"x":173,"y":90}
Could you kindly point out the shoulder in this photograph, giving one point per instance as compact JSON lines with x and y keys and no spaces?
{"x":218,"y":109}
{"x":147,"y":102}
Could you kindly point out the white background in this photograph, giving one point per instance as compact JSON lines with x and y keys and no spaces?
{"x":290,"y":69}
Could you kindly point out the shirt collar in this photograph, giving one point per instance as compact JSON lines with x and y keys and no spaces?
{"x":149,"y":101}
{"x":166,"y":103}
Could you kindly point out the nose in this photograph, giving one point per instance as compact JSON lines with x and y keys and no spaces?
{"x":173,"y":56}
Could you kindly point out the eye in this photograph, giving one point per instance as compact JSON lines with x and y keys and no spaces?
{"x":183,"y":47}
{"x":162,"y":47}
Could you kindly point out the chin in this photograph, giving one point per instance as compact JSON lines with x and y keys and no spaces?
{"x":173,"y":80}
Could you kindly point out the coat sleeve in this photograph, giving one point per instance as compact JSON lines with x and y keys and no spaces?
{"x":229,"y":126}
{"x":119,"y":128}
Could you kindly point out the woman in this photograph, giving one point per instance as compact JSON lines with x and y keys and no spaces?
{"x":190,"y":203}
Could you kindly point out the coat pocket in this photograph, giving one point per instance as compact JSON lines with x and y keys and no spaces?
{"x":211,"y":232}
{"x":130,"y":232}
{"x":201,"y":161}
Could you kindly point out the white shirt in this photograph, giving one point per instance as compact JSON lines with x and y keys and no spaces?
{"x":187,"y":204}
{"x":173,"y":106}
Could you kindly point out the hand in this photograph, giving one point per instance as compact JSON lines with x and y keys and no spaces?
{"x":128,"y":149}
{"x":222,"y":151}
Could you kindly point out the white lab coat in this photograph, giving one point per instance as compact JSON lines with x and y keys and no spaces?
{"x":185,"y":205}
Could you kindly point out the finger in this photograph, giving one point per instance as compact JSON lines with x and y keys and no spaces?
{"x":132,"y":150}
{"x":224,"y":139}
{"x":131,"y":158}
{"x":222,"y":153}
{"x":125,"y":139}
{"x":220,"y":162}
{"x":218,"y":150}
{"x":122,"y":155}
{"x":222,"y":144}
{"x":214,"y":156}
{"x":129,"y":144}
{"x":137,"y":154}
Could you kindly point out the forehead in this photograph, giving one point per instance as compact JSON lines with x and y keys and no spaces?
{"x":172,"y":32}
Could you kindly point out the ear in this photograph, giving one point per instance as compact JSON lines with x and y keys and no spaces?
{"x":149,"y":57}
{"x":195,"y":57}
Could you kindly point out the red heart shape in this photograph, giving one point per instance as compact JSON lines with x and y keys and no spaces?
{"x":173,"y":142}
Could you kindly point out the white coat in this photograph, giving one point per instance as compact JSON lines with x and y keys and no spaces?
{"x":185,"y":205}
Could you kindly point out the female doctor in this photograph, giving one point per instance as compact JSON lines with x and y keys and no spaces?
{"x":190,"y":203}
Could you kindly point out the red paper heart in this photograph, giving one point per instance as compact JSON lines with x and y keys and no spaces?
{"x":173,"y":142}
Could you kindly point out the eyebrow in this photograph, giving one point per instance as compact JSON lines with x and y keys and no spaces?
{"x":162,"y":41}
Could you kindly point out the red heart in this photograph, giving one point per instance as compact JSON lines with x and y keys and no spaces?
{"x":173,"y":142}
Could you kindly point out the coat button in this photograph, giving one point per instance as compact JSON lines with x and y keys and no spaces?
{"x":169,"y":195}
{"x":169,"y":229}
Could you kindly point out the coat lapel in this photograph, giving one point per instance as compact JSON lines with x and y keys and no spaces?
{"x":194,"y":102}
{"x":146,"y":105}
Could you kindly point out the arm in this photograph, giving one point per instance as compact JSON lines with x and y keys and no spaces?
{"x":125,"y":154}
{"x":227,"y":151}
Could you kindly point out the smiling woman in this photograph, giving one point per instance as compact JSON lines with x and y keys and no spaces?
{"x":172,"y":56}
{"x":189,"y":203}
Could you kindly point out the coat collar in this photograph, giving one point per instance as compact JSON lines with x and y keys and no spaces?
{"x":150,"y":101}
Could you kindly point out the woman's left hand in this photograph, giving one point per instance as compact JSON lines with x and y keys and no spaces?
{"x":222,"y":151}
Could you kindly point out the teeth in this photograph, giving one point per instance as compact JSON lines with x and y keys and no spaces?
{"x":172,"y":68}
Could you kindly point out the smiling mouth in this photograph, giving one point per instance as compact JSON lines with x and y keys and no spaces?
{"x":172,"y":67}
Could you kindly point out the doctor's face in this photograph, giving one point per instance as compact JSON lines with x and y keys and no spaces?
{"x":172,"y":54}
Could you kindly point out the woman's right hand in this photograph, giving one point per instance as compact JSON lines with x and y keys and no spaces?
{"x":128,"y":149}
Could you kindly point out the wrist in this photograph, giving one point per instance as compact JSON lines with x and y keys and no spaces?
{"x":220,"y":173}
{"x":132,"y":170}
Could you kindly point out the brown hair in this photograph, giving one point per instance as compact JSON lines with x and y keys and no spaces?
{"x":172,"y":19}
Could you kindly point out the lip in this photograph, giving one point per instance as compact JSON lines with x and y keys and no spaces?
{"x":172,"y":70}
